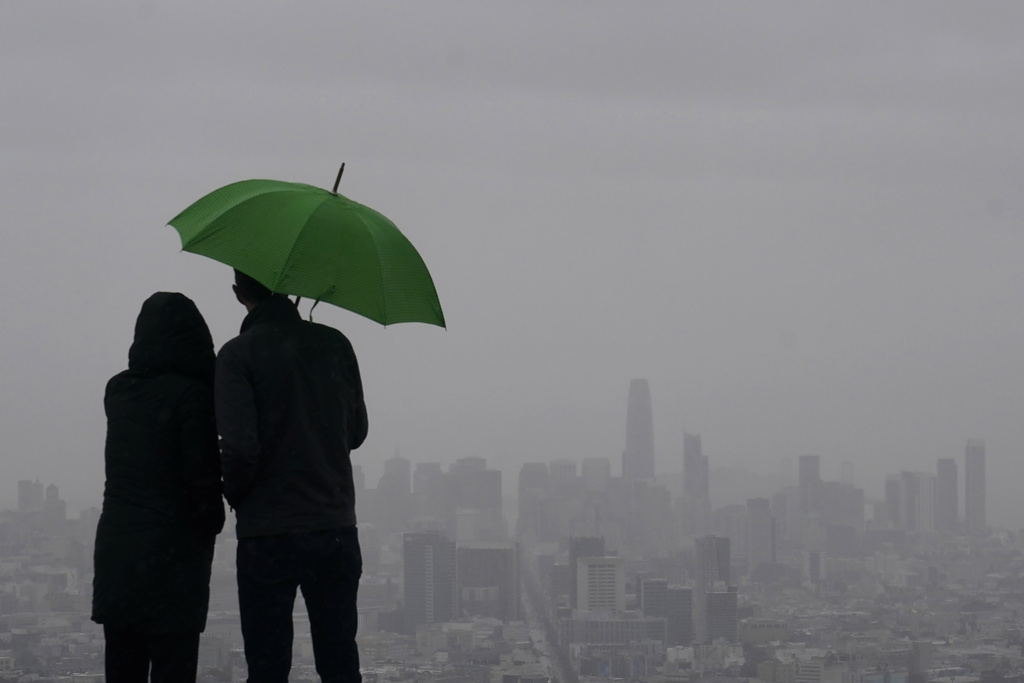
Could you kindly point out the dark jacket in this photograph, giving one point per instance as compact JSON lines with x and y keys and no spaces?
{"x":162,"y":504}
{"x":289,"y":410}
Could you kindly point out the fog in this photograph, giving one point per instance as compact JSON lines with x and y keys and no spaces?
{"x":801,"y":223}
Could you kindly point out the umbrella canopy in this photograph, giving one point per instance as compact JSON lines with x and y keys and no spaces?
{"x":303,"y":240}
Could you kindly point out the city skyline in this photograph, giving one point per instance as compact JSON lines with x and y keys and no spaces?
{"x":799,"y":226}
{"x":732,"y":290}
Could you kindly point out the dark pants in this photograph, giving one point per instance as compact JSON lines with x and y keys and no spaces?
{"x":174,"y":656}
{"x":326,"y":565}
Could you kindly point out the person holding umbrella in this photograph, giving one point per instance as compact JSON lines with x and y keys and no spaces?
{"x":289,"y":400}
{"x":290,"y":409}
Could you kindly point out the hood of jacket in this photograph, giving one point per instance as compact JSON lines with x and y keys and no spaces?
{"x":172,"y":337}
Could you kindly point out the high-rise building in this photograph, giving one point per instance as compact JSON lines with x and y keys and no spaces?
{"x":653,"y":593}
{"x":429,"y":493}
{"x":713,"y":556}
{"x":680,"y":616}
{"x":581,"y":546}
{"x":712,"y":567}
{"x":810,"y":481}
{"x":974,"y":487}
{"x":638,"y":458}
{"x":917,"y":501}
{"x":722,"y":616}
{"x":696,"y":498}
{"x":472,"y":486}
{"x":760,"y":533}
{"x":947,"y":503}
{"x":564,"y":476}
{"x":394,"y":495}
{"x":564,"y":487}
{"x":601,"y":584}
{"x":488,"y":580}
{"x":534,"y":524}
{"x":429,"y":578}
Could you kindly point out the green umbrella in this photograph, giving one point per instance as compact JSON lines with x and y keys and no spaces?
{"x":302,"y":240}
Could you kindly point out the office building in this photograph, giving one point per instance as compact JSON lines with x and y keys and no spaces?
{"x":472,"y":486}
{"x":696,"y":499}
{"x":488,"y":580}
{"x":809,"y":468}
{"x":429,"y":578}
{"x":638,"y":458}
{"x":581,"y":546}
{"x":679,"y":619}
{"x":947,"y":502}
{"x":609,"y":629}
{"x":653,"y":597}
{"x":534,"y":523}
{"x":974,"y":487}
{"x":917,"y":502}
{"x":394,"y":495}
{"x":601,"y":584}
{"x":722,"y":618}
{"x":712,"y":569}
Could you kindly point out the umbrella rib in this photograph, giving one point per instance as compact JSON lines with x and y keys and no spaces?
{"x":380,"y":268}
{"x":291,"y":252}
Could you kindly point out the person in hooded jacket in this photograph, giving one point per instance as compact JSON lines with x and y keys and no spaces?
{"x":162,"y":507}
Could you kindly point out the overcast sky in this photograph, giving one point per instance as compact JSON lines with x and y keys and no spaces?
{"x":802,"y":223}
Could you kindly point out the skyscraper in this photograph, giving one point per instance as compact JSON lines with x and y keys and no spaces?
{"x":947,"y":502}
{"x":917,"y":501}
{"x":638,"y":458}
{"x":810,"y":479}
{"x":696,"y":499}
{"x":429,"y":578}
{"x":474,"y":493}
{"x":534,"y":520}
{"x":974,"y":487}
{"x":712,"y":572}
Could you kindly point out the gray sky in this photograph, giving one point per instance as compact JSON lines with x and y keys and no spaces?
{"x":801,"y":222}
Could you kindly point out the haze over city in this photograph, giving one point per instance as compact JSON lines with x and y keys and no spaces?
{"x":801,"y":223}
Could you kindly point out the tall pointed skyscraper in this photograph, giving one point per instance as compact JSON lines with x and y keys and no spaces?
{"x":638,"y":458}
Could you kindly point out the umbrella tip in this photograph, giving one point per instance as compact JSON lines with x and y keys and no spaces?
{"x":338,"y":179}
